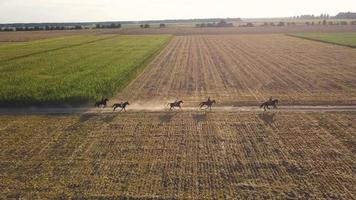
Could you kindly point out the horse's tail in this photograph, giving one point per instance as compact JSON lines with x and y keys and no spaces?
{"x":113,"y":105}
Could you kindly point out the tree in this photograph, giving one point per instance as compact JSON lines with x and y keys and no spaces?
{"x":78,"y":27}
{"x":249,"y":24}
{"x":280,"y":24}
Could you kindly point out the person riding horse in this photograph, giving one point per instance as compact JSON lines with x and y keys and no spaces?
{"x":268,"y":103}
{"x":207,"y":103}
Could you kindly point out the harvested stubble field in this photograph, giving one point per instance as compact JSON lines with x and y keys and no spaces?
{"x":247,"y":69}
{"x":198,"y":155}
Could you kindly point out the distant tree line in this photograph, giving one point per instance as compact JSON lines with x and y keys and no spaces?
{"x":42,"y":28}
{"x":346,"y":15}
{"x":221,"y":23}
{"x":112,"y":25}
{"x":342,"y":15}
{"x":322,"y":16}
{"x":144,"y":26}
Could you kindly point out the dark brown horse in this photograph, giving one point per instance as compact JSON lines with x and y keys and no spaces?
{"x":208,"y":103}
{"x":175,"y":104}
{"x":269,"y":103}
{"x":102,"y":103}
{"x":121,"y":105}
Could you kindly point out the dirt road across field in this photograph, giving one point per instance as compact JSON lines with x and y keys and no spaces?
{"x":135,"y":108}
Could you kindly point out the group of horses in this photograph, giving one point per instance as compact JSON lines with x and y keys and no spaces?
{"x":177,"y":104}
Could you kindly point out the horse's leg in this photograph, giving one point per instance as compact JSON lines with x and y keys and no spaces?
{"x":114,"y":108}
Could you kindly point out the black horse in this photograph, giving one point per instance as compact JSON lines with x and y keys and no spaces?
{"x":102,"y":103}
{"x":175,"y":104}
{"x":269,"y":103}
{"x":121,"y":105}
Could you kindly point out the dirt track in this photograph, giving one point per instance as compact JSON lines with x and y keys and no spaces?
{"x":240,"y":70}
{"x":163,"y":109}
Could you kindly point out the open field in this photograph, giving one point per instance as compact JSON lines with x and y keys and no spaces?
{"x":345,"y":39}
{"x":72,"y":70}
{"x":179,"y":155}
{"x":25,"y":36}
{"x":236,"y":30}
{"x":247,"y":69}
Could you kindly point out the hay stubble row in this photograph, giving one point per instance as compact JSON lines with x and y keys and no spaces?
{"x":179,"y":155}
{"x":247,"y":69}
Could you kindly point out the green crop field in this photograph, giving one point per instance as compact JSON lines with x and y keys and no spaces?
{"x":344,"y":39}
{"x":72,"y":70}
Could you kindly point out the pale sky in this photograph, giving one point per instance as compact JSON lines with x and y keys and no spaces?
{"x":23,"y":11}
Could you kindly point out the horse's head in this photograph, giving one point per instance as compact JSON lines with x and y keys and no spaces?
{"x":180,"y":101}
{"x":213,"y":101}
{"x":127,"y":103}
{"x":105,"y":100}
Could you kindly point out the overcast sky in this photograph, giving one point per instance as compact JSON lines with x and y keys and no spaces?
{"x":118,"y":10}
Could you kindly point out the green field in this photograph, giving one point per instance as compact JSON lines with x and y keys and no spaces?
{"x":344,"y":39}
{"x":72,"y":70}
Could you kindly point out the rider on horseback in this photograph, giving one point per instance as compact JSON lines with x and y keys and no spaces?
{"x":270,"y":100}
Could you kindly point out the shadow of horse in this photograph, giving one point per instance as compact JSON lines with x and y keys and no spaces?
{"x":200,"y":117}
{"x":267,"y":118}
{"x":167,"y":117}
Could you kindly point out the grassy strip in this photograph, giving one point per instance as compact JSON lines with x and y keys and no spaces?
{"x":342,"y":39}
{"x":77,"y":75}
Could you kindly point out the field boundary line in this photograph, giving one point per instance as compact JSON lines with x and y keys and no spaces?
{"x":57,"y":49}
{"x":318,"y":40}
{"x":163,"y":109}
{"x":141,"y":66}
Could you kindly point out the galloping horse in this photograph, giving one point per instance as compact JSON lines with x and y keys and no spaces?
{"x":175,"y":104}
{"x":208,"y":103}
{"x":121,"y":105}
{"x":103,"y":103}
{"x":269,"y":103}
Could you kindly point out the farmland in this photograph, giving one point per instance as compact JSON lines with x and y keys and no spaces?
{"x":247,"y":69}
{"x":72,"y":70}
{"x":26,"y":36}
{"x":345,"y":39}
{"x":304,"y":150}
{"x":179,"y":155}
